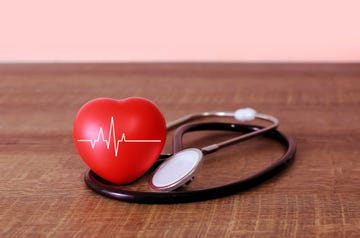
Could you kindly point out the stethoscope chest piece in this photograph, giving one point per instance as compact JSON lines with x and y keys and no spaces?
{"x":177,"y":170}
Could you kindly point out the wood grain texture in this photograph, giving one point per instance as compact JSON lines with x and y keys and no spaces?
{"x":41,"y":176}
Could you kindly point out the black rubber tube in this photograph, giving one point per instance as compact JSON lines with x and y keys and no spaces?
{"x":102,"y":187}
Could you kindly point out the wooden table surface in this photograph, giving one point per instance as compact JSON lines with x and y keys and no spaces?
{"x":41,"y":175}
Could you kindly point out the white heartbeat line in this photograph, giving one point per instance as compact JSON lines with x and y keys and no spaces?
{"x":112,"y":136}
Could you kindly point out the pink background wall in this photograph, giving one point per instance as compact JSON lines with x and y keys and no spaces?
{"x":203,"y":30}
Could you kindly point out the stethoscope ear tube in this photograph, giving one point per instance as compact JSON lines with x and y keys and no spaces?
{"x":180,"y":196}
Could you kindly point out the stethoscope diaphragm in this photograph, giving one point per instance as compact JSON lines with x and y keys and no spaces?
{"x":177,"y":170}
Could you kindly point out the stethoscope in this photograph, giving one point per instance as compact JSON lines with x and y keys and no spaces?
{"x":173,"y":171}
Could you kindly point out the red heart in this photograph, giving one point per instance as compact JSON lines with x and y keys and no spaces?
{"x":119,"y":139}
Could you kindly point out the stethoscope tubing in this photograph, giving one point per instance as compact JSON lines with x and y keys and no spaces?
{"x":182,"y":196}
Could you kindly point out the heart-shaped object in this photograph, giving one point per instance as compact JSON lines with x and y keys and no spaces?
{"x":119,"y":139}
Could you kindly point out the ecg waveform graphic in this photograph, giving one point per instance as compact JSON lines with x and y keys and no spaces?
{"x":112,"y":137}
